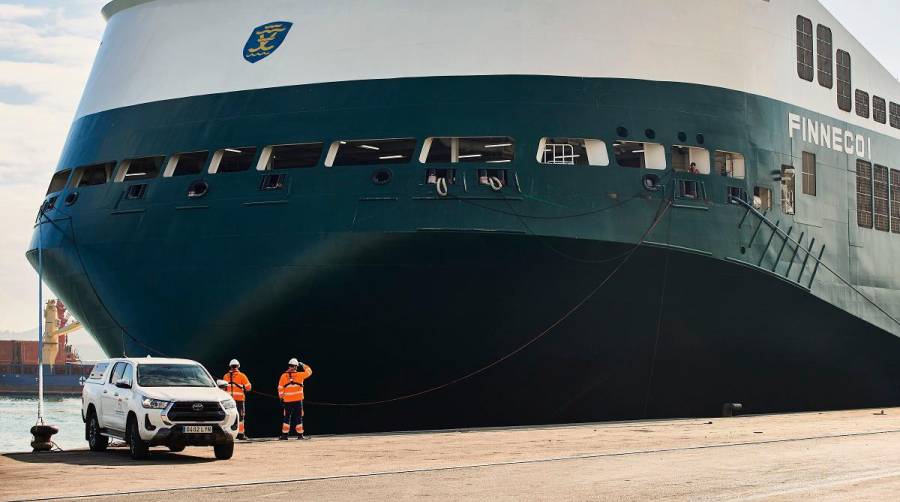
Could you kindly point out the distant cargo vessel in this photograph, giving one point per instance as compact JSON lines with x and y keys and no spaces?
{"x":693,"y":203}
{"x":64,"y":372}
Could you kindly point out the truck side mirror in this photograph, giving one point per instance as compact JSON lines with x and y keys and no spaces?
{"x":123,"y":384}
{"x":222,"y":384}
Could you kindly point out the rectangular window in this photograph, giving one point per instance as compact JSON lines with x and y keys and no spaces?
{"x":809,"y":174}
{"x":736,"y":193}
{"x":895,"y":115}
{"x":881,"y":198}
{"x":690,"y":189}
{"x":573,"y":152}
{"x":97,"y":174}
{"x":825,"y":50}
{"x":805,"y":49}
{"x":863,"y":194}
{"x":689,"y":159}
{"x":895,"y":201}
{"x":97,"y":372}
{"x":488,"y":150}
{"x":788,"y":197}
{"x":140,"y":169}
{"x":640,"y":155}
{"x":862,"y":103}
{"x":58,"y":181}
{"x":291,"y":156}
{"x":371,"y":152}
{"x":232,"y":160}
{"x":186,"y":164}
{"x":844,"y":82}
{"x":879,"y":110}
{"x":762,"y":198}
{"x":730,"y":164}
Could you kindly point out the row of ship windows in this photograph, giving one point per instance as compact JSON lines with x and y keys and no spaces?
{"x":877,"y":197}
{"x":826,"y":59}
{"x":488,"y":150}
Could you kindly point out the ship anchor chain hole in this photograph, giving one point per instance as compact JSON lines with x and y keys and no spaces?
{"x":382,"y":177}
{"x":71,"y":198}
{"x":198,"y":189}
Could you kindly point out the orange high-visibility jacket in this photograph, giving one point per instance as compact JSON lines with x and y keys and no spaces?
{"x":238,"y":385}
{"x":290,"y":385}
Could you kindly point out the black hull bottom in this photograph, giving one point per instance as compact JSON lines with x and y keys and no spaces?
{"x":672,"y":334}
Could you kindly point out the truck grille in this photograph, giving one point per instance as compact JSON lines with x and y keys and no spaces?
{"x":191,"y":411}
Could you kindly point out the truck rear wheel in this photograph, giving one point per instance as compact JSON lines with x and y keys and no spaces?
{"x":224,"y":451}
{"x":96,"y":440}
{"x":138,"y":448}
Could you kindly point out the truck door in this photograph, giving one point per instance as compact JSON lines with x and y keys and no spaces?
{"x":109,"y":398}
{"x":124,"y":397}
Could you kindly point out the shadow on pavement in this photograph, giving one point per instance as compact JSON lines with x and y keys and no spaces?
{"x":113,"y":457}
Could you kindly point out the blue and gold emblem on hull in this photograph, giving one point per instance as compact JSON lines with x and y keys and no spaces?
{"x":265,"y":40}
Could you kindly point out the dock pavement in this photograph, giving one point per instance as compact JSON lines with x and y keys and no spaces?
{"x":845,"y":455}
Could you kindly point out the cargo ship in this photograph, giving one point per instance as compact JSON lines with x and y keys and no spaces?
{"x":64,"y":372}
{"x":489,"y":213}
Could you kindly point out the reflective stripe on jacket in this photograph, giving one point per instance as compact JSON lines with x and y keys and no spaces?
{"x":238,"y":384}
{"x":290,"y":385}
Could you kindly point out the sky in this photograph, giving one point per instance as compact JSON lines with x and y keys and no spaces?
{"x":46,"y":51}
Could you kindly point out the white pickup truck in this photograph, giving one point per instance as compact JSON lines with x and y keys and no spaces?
{"x":157,"y":402}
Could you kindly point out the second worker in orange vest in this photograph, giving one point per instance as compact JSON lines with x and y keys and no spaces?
{"x":290,"y":391}
{"x":238,"y":387}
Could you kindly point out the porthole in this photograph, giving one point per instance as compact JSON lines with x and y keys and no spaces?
{"x":622,"y":132}
{"x":197,"y":189}
{"x":71,"y":198}
{"x":650,"y":133}
{"x":382,"y":177}
{"x":700,"y":139}
{"x":682,"y":137}
{"x":652,"y":183}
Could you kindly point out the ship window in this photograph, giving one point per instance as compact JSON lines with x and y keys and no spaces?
{"x":573,"y":152}
{"x":879,"y":110}
{"x":730,"y":164}
{"x":689,"y":189}
{"x":689,"y":159}
{"x":186,"y":164}
{"x":825,"y":52}
{"x":844,"y":85}
{"x":640,"y":155}
{"x":881,"y":198}
{"x":290,"y":156}
{"x":788,"y":200}
{"x":863,"y":194}
{"x":762,"y":198}
{"x":895,"y":201}
{"x":809,"y":174}
{"x":58,"y":181}
{"x":232,"y":160}
{"x":97,"y":174}
{"x":140,"y":169}
{"x":805,"y":49}
{"x":488,"y":150}
{"x":370,"y":152}
{"x":862,"y":103}
{"x":736,"y":193}
{"x":895,"y":115}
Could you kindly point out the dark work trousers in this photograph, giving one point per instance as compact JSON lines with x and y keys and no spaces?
{"x":293,"y":417}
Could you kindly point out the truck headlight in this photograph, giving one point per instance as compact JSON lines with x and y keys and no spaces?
{"x":228,"y":404}
{"x":154,"y":404}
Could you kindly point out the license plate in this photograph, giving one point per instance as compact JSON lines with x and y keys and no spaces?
{"x":198,"y":429}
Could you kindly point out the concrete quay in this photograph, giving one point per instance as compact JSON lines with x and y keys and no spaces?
{"x":827,"y":456}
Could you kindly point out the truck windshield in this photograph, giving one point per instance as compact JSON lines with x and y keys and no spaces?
{"x":173,"y":375}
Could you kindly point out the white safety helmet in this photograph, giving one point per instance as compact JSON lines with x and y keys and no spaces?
{"x":235,"y":363}
{"x":293,"y":362}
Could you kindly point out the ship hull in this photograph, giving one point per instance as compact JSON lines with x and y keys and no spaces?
{"x":434,"y":323}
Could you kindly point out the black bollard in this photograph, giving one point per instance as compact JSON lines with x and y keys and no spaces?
{"x":41,"y":435}
{"x":731,"y":409}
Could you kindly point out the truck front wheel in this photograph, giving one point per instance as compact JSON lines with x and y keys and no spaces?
{"x":224,"y":451}
{"x":138,"y":448}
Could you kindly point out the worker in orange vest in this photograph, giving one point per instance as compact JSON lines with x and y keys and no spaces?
{"x":290,"y":391}
{"x":238,"y":386}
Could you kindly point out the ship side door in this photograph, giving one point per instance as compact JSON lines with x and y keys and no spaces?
{"x":109,"y":397}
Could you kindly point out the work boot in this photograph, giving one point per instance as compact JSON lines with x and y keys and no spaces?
{"x":282,"y":437}
{"x":241,"y":437}
{"x":301,"y":437}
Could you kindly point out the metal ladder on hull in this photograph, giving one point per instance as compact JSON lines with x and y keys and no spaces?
{"x":787,"y":243}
